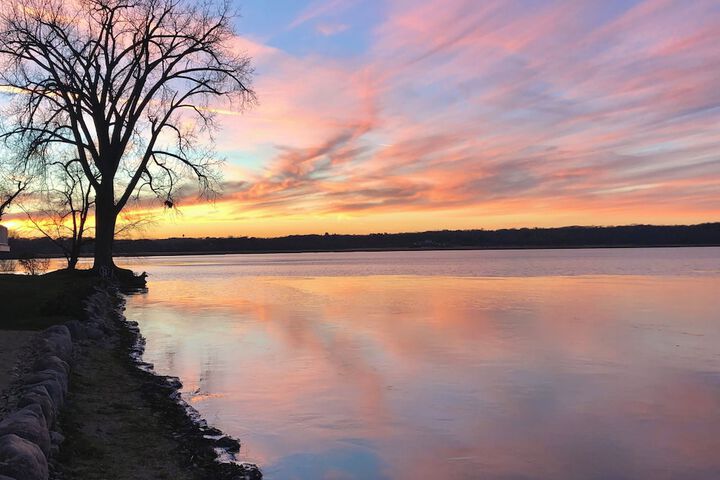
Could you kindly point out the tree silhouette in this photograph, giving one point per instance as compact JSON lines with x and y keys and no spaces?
{"x":127,"y":85}
{"x":64,"y":209}
{"x":11,"y":187}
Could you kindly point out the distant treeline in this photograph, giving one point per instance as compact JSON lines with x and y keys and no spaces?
{"x":565,"y":237}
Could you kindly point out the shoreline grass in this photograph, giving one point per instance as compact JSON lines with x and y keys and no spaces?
{"x":36,"y":302}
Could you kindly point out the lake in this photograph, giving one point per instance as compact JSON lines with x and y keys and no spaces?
{"x":526,"y":364}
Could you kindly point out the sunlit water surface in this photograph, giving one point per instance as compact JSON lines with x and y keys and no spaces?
{"x":554,"y":364}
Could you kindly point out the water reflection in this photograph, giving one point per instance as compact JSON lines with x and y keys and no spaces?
{"x":419,"y":376}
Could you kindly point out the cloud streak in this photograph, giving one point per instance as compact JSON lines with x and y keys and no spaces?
{"x":464,"y":114}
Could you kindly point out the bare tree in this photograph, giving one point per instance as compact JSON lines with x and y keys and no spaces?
{"x":66,"y":204}
{"x":11,"y":187}
{"x":33,"y":264}
{"x":128,"y":85}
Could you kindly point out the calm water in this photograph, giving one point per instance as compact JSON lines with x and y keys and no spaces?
{"x":574,"y":364}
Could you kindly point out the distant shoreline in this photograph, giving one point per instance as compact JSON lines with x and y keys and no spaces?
{"x":560,"y":238}
{"x":370,"y":250}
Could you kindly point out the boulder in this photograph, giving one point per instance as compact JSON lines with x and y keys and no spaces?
{"x":61,"y":330}
{"x":228,"y":443}
{"x":76,"y":329}
{"x":58,"y":345}
{"x":52,"y":388}
{"x":43,"y":375}
{"x":51,"y":362}
{"x":40,"y":396}
{"x":56,"y":438}
{"x":28,"y":423}
{"x":94,"y":333}
{"x":21,"y":459}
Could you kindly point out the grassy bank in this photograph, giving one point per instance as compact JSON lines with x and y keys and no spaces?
{"x":36,"y":302}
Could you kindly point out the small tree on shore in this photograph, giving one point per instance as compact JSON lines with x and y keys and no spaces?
{"x":7,"y":265}
{"x":65,"y":206}
{"x":33,"y":264}
{"x":128,"y":86}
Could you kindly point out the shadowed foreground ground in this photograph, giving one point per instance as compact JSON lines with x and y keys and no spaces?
{"x":11,"y":343}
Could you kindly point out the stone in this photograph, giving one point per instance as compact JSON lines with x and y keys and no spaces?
{"x":59,"y":345}
{"x":42,"y":376}
{"x":41,"y":397}
{"x":52,"y":387}
{"x":94,"y":333}
{"x":21,"y":459}
{"x":250,"y":471}
{"x":28,"y":423}
{"x":228,"y":443}
{"x":51,"y":362}
{"x":56,"y":330}
{"x":76,"y":329}
{"x":56,"y":438}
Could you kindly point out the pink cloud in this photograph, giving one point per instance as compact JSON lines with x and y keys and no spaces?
{"x":493,"y":108}
{"x":330,"y":29}
{"x":318,"y":9}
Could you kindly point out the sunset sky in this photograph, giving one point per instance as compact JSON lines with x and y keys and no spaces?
{"x":405,"y":115}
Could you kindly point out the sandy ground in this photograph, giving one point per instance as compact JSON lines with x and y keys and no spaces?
{"x":11,"y":343}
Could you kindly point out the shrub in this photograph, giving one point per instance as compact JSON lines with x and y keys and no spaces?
{"x":33,"y":264}
{"x":7,"y":265}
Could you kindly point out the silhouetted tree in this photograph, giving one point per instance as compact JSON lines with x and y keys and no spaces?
{"x":33,"y":264}
{"x":64,"y":211}
{"x":11,"y":187}
{"x":128,"y":85}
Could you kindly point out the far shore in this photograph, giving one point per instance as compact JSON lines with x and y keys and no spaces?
{"x":370,"y":250}
{"x":557,"y":238}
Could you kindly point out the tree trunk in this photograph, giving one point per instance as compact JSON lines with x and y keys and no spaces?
{"x":74,"y":255}
{"x":105,"y":218}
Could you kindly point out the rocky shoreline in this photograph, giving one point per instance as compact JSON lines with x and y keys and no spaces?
{"x":28,"y":434}
{"x":66,"y":358}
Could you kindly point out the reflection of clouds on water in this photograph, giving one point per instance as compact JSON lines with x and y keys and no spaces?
{"x":336,"y":464}
{"x":507,"y":377}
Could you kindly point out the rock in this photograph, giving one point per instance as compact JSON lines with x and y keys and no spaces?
{"x":228,"y":443}
{"x":61,"y":330}
{"x":40,"y":396}
{"x":28,"y":423}
{"x":56,"y":438}
{"x":41,"y":376}
{"x":52,"y":362}
{"x":250,"y":471}
{"x":76,"y":329}
{"x":59,"y":345}
{"x":94,"y":333}
{"x":21,"y":459}
{"x":52,"y":387}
